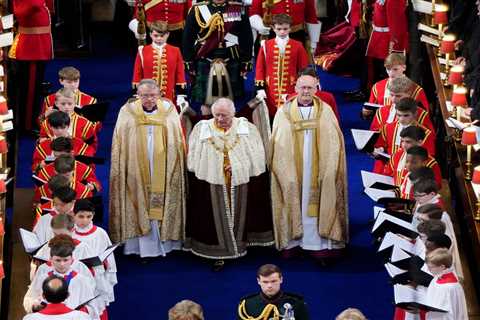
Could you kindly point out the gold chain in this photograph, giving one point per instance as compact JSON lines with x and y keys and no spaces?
{"x":215,"y":22}
{"x":269,"y":308}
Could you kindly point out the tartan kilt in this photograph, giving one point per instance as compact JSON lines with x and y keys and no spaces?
{"x":202,"y":70}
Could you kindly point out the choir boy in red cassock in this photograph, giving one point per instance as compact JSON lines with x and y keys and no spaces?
{"x":31,"y":49}
{"x":163,"y":63}
{"x":53,"y":147}
{"x":75,"y":170}
{"x":173,"y":12}
{"x":44,"y":193}
{"x":389,"y":139}
{"x":416,"y":171}
{"x":79,"y":126}
{"x":69,"y":77}
{"x":395,"y":65}
{"x":278,"y":62}
{"x":396,"y":167}
{"x":303,"y":15}
{"x":401,"y":88}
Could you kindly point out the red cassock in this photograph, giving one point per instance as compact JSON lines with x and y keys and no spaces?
{"x":381,"y":95}
{"x":172,"y":11}
{"x":396,"y":167}
{"x":389,"y":25}
{"x":81,"y":173}
{"x":81,"y":99}
{"x":388,"y":137}
{"x":81,"y":190}
{"x":43,"y":150}
{"x":301,"y":11}
{"x":383,"y":117}
{"x":166,"y":68}
{"x":80,"y":128}
{"x":277,"y":73}
{"x":33,"y":41}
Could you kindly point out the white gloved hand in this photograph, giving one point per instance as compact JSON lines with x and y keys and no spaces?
{"x":261,"y":94}
{"x":133,"y":26}
{"x":182,"y":103}
{"x":257,"y":23}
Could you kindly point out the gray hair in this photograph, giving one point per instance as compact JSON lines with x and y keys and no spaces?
{"x":149,"y":83}
{"x":224,"y":101}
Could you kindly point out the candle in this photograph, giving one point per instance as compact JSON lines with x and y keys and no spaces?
{"x":2,"y":272}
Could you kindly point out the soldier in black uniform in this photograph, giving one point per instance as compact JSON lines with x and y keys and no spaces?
{"x":217,"y":49}
{"x":272,"y":302}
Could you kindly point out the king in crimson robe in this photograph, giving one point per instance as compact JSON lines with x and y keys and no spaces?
{"x":308,"y":178}
{"x":227,"y":210}
{"x":147,"y":186}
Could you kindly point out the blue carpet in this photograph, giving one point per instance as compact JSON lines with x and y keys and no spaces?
{"x":147,"y":291}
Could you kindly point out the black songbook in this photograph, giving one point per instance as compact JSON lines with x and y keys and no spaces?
{"x":394,"y":203}
{"x":409,"y":298}
{"x":30,"y":241}
{"x":44,"y":200}
{"x":383,"y":186}
{"x":38,"y":181}
{"x":392,"y":243}
{"x":83,"y":304}
{"x":404,"y":215}
{"x":417,"y":276}
{"x":387,"y":223}
{"x":404,"y":260}
{"x":90,"y":160}
{"x":98,"y":260}
{"x":365,"y":139}
{"x":94,"y":112}
{"x":372,"y":106}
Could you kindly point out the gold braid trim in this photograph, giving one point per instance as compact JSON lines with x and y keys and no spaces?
{"x":214,"y":23}
{"x":269,"y":308}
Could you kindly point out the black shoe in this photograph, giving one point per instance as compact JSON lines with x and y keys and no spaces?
{"x":218,"y":265}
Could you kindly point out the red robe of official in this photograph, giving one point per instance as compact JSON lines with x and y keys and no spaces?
{"x":164,"y":65}
{"x":171,"y":11}
{"x":43,"y":150}
{"x":79,"y":128}
{"x":277,"y":72}
{"x":389,"y":140}
{"x":389,"y":27}
{"x":301,"y":12}
{"x":81,"y":173}
{"x":388,"y":114}
{"x":33,"y":41}
{"x":381,"y":95}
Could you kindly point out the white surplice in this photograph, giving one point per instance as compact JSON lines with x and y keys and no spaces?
{"x":311,"y":240}
{"x":449,"y":295}
{"x":150,"y":245}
